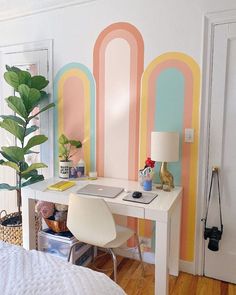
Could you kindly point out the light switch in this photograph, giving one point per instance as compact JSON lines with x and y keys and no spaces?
{"x":189,"y":135}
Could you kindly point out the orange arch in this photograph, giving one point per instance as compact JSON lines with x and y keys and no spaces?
{"x":135,"y":41}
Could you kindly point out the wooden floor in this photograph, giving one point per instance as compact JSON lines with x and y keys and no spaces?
{"x":131,"y":280}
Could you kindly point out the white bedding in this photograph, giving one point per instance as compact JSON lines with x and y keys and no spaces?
{"x":36,"y":273}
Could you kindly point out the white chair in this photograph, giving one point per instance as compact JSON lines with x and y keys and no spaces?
{"x":91,"y":222}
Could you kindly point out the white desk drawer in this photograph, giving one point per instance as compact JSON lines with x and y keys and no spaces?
{"x":126,"y":210}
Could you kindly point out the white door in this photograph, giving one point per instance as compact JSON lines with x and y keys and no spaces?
{"x":222,"y":152}
{"x":36,"y":62}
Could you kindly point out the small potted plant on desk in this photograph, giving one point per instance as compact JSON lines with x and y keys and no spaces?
{"x":19,"y":124}
{"x":67,"y":149}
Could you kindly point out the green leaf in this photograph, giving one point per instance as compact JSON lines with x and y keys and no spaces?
{"x":33,"y":167}
{"x":14,"y":152}
{"x":30,"y":97}
{"x":24,"y":93}
{"x":13,"y":69}
{"x":5,"y":186}
{"x":35,"y":140}
{"x":7,"y":157}
{"x":12,"y":79}
{"x":34,"y":97}
{"x":14,"y":118}
{"x":13,"y":127}
{"x":8,"y":68}
{"x":63,"y":139}
{"x":32,"y":180}
{"x":39,"y":82}
{"x":31,"y":152}
{"x":76,"y":143}
{"x":12,"y":165}
{"x":1,"y":162}
{"x":17,"y":105}
{"x":23,"y":166}
{"x":30,"y":174}
{"x":62,"y":150}
{"x":43,"y":110}
{"x":31,"y":129}
{"x":44,"y":95}
{"x":24,"y":77}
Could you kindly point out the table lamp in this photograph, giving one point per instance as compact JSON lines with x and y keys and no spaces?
{"x":165,"y":148}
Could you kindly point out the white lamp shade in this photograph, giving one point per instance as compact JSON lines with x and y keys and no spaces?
{"x":165,"y":146}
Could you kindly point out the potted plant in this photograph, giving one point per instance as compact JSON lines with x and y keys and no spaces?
{"x":67,"y":149}
{"x":28,"y":94}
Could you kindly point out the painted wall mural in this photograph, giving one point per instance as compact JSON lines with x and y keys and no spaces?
{"x":118,"y":68}
{"x":74,"y":92}
{"x":125,"y":116}
{"x":170,"y":102}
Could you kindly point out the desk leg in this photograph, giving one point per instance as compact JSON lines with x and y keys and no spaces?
{"x":175,"y":239}
{"x":161,"y":259}
{"x":28,"y":223}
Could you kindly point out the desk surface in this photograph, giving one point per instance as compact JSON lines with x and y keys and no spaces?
{"x":158,"y":209}
{"x":165,"y":210}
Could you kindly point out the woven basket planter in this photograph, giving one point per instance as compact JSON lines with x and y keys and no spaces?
{"x":13,"y":234}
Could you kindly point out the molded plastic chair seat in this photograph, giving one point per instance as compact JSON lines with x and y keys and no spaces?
{"x":122,"y":236}
{"x":91,"y":221}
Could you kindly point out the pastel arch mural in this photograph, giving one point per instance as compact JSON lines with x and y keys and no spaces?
{"x":120,"y":45}
{"x":170,"y":102}
{"x":74,"y":92}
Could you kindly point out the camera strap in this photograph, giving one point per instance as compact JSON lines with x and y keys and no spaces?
{"x":215,"y":173}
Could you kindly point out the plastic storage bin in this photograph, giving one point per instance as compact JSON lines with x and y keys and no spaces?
{"x":59,"y":245}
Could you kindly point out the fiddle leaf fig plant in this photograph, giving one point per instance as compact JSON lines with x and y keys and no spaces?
{"x":28,"y":94}
{"x":67,"y":147}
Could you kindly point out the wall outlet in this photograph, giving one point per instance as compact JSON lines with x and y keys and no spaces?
{"x":189,"y":135}
{"x":145,"y":242}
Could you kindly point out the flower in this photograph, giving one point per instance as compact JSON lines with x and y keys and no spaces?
{"x":149,"y":163}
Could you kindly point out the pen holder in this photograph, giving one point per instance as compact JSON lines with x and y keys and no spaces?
{"x":147,"y":185}
{"x":145,"y":176}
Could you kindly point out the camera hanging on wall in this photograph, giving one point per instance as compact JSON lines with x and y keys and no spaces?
{"x":214,"y":234}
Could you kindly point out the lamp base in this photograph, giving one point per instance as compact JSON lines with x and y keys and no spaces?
{"x":163,"y":187}
{"x":167,"y":179}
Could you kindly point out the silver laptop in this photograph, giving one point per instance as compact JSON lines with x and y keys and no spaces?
{"x":100,"y":190}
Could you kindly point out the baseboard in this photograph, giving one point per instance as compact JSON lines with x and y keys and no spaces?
{"x":132,"y":253}
{"x":187,"y":266}
{"x":149,"y":257}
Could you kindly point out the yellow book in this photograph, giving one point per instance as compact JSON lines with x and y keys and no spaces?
{"x":61,"y":185}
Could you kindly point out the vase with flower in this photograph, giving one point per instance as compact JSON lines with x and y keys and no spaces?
{"x":146,"y":174}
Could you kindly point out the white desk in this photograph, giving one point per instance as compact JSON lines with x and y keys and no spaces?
{"x":165,"y":210}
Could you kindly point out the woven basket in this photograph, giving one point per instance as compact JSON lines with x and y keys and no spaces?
{"x":13,"y":234}
{"x":57,"y":226}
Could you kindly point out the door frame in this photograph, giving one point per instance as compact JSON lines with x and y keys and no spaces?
{"x":211,"y":20}
{"x":38,"y":46}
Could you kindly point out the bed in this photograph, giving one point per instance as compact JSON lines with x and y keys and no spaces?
{"x":33,"y":272}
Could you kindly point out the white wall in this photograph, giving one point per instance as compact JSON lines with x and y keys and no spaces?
{"x":166,"y":25}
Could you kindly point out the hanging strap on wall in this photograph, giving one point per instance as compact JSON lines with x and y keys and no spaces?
{"x":214,"y":173}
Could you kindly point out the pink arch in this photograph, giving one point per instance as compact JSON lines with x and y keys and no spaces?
{"x":135,"y":41}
